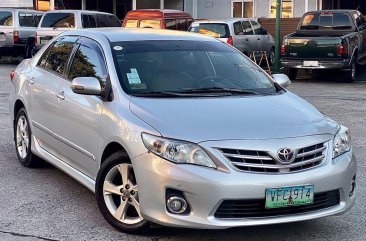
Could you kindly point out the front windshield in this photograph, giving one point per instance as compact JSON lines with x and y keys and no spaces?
{"x":153,"y":67}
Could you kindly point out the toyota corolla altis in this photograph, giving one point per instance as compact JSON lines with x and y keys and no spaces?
{"x":178,"y":129}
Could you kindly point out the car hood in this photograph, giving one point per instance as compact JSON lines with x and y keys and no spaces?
{"x":223,"y":118}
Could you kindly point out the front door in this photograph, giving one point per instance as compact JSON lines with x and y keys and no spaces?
{"x":79,"y":115}
{"x":44,"y":83}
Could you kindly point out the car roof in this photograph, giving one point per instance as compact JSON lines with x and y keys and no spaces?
{"x":334,"y":11}
{"x":227,"y":20}
{"x":77,"y":11}
{"x":139,"y":34}
{"x":157,"y":13}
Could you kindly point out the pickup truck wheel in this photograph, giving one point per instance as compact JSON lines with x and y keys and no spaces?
{"x":352,"y":73}
{"x":291,"y":73}
{"x":271,"y":56}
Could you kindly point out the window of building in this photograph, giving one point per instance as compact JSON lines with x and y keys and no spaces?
{"x":174,"y":4}
{"x":287,"y":8}
{"x":149,"y":23}
{"x":147,"y":4}
{"x":242,"y":9}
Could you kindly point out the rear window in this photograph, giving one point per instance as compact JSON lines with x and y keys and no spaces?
{"x":6,"y":18}
{"x":171,"y":24}
{"x":326,"y":21}
{"x":100,"y":21}
{"x":150,"y":23}
{"x":58,"y":20}
{"x":216,"y":30}
{"x":131,"y":24}
{"x":29,"y":19}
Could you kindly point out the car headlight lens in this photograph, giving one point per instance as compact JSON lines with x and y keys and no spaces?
{"x":341,"y":141}
{"x":179,"y":152}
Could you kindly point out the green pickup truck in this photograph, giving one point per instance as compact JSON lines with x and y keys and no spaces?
{"x":332,"y":39}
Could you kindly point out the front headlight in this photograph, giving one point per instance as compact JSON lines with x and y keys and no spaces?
{"x":341,"y":141}
{"x":179,"y":152}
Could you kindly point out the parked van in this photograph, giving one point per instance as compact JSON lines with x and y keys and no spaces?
{"x":55,"y":22}
{"x":17,"y":30}
{"x":158,"y":18}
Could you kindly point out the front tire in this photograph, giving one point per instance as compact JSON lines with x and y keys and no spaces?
{"x":23,"y":140}
{"x":291,"y":73}
{"x":117,"y":196}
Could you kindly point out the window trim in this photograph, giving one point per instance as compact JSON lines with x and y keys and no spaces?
{"x":292,"y":10}
{"x":254,"y":10}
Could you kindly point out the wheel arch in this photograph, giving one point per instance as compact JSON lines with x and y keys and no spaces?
{"x":17,"y":106}
{"x":111,"y":148}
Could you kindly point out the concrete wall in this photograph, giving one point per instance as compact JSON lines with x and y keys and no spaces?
{"x":222,"y":8}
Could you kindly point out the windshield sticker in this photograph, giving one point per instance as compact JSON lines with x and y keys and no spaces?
{"x":118,"y":48}
{"x":133,"y":77}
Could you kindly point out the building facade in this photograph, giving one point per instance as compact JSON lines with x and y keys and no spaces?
{"x":203,"y":9}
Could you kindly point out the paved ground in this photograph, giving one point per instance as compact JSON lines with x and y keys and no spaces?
{"x":45,"y":204}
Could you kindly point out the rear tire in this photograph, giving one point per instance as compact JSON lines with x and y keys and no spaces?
{"x":351,"y":74}
{"x":271,"y":57}
{"x":23,"y":141}
{"x":116,"y":192}
{"x":291,"y":73}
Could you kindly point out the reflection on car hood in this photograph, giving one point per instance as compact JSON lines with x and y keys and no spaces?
{"x":252,"y":117}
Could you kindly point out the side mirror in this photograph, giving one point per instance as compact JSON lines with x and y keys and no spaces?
{"x":282,"y":80}
{"x":86,"y":86}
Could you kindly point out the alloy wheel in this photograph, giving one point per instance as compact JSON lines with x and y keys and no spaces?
{"x":120,"y":192}
{"x":22,"y":137}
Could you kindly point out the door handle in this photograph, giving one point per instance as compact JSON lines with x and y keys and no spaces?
{"x":60,"y":95}
{"x":30,"y":80}
{"x":258,"y":39}
{"x":247,"y":40}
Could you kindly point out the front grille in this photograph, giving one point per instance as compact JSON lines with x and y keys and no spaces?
{"x":255,"y":208}
{"x":262,"y":162}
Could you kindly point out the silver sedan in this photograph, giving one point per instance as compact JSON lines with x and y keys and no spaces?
{"x":178,"y":129}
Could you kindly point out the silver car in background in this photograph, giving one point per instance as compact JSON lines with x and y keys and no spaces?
{"x":245,"y":34}
{"x":128,"y":113}
{"x":17,"y":31}
{"x":55,"y":22}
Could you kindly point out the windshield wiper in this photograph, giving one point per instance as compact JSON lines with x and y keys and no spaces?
{"x":157,"y":94}
{"x":232,"y":91}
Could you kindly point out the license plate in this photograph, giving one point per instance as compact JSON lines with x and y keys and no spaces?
{"x":311,"y":63}
{"x":289,"y":196}
{"x":44,"y":41}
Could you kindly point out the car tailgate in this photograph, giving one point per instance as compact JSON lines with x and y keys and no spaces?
{"x":312,"y":47}
{"x":46,"y":34}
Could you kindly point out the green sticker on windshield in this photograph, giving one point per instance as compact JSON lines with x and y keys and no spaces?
{"x":133,"y":77}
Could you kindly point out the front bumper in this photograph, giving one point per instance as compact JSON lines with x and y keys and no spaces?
{"x":206,"y":188}
{"x":323,"y":64}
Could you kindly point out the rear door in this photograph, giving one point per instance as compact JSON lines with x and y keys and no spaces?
{"x":6,"y":27}
{"x":250,"y":40}
{"x":54,"y":23}
{"x":44,"y":86}
{"x":78,"y":116}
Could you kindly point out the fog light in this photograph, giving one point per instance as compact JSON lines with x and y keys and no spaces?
{"x":353,"y":186}
{"x":176,"y":205}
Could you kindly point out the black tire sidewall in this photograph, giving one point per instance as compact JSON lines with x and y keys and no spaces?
{"x":108,"y":164}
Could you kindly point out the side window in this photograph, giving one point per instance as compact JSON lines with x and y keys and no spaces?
{"x":131,"y":24}
{"x":88,"y":21}
{"x":26,"y":19}
{"x":182,"y":25}
{"x":6,"y":18}
{"x":171,"y":24}
{"x":247,"y":28}
{"x":189,"y":22}
{"x":238,"y":29}
{"x":37,"y":18}
{"x":89,"y":62}
{"x":258,"y":30}
{"x":57,"y":56}
{"x":58,"y":20}
{"x":106,"y":20}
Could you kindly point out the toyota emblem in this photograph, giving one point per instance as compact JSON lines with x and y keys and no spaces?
{"x":285,"y":155}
